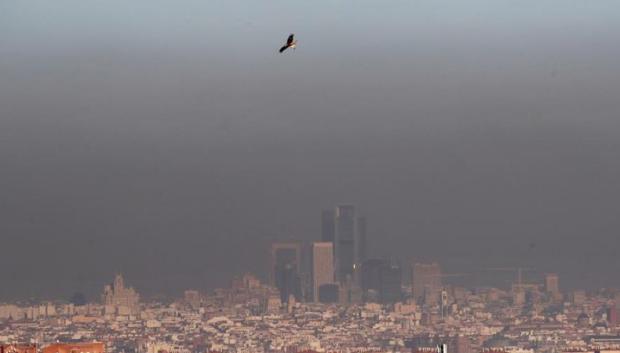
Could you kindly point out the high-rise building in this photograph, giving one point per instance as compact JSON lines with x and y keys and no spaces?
{"x":371,"y":279}
{"x":381,"y":281}
{"x":328,"y":226}
{"x":426,"y":282}
{"x":360,"y":247}
{"x":322,"y":266}
{"x":285,"y":269}
{"x":349,"y":242}
{"x":345,"y":241}
{"x":552,"y":285}
{"x":391,"y":283}
{"x":119,"y":299}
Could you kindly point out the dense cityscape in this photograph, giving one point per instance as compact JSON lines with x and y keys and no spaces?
{"x":326,"y":296}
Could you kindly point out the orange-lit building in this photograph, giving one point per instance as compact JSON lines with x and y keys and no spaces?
{"x":18,"y":348}
{"x":94,"y":347}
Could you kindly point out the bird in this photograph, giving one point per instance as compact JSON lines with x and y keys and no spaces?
{"x":290,"y":43}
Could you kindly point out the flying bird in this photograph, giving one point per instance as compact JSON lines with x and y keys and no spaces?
{"x":290,"y":43}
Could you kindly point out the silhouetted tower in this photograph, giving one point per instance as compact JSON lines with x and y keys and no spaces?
{"x":361,"y":244}
{"x":345,"y":241}
{"x":285,"y":265}
{"x":328,"y":226}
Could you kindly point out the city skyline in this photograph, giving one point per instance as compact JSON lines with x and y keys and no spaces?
{"x":172,"y":142}
{"x":328,"y":176}
{"x":293,"y":270}
{"x":303,"y":265}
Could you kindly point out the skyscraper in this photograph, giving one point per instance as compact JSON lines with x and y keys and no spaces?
{"x":349,"y":242}
{"x":345,"y":241}
{"x":322,"y":266}
{"x":552,"y":285}
{"x":285,"y":264}
{"x":426,"y":282}
{"x":360,"y":255}
{"x":328,"y":226}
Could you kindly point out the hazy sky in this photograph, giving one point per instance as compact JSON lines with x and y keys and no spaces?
{"x":169,"y":139}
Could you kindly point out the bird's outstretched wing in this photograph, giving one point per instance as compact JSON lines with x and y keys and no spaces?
{"x":283,"y":48}
{"x":290,"y":39}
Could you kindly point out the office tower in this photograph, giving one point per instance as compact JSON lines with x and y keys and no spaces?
{"x":552,"y":286}
{"x":285,"y":274}
{"x":371,"y":279}
{"x":360,"y":256}
{"x":426,"y":282}
{"x":120,"y":300}
{"x":322,"y":266}
{"x":391,"y":283}
{"x":345,"y":241}
{"x":328,"y":226}
{"x":347,"y":232}
{"x":381,"y":281}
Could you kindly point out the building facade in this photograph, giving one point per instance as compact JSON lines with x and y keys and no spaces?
{"x":322,"y":266}
{"x":119,"y":299}
{"x":426,"y":279}
{"x":349,"y":243}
